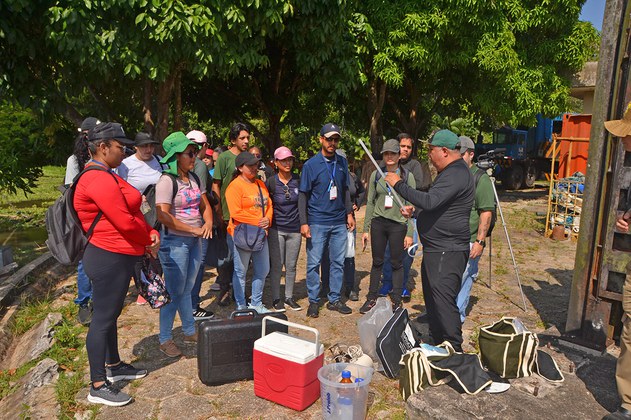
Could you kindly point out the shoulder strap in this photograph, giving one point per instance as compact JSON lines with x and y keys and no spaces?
{"x":270,"y":183}
{"x":261,"y":195}
{"x":477,"y":176}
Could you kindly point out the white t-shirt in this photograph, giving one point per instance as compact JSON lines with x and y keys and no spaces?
{"x":138,"y":173}
{"x":72,"y":169}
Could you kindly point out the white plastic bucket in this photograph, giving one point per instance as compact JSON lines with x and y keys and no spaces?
{"x":344,"y":401}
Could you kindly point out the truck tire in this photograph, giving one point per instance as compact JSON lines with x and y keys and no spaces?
{"x":513,"y":178}
{"x":530,"y":176}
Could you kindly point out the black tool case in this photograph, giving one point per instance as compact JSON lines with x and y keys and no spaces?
{"x":225,"y":346}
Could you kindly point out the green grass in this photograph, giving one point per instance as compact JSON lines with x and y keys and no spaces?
{"x":21,"y":211}
{"x":67,"y":351}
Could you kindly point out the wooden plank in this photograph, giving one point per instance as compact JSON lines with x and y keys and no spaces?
{"x":8,"y":287}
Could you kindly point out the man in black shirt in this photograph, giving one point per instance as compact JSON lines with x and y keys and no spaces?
{"x":442,"y":215}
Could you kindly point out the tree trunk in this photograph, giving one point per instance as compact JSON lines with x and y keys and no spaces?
{"x":272,"y":140}
{"x":165,"y":91}
{"x":177,"y":118}
{"x":146,"y":106}
{"x":376,"y":99}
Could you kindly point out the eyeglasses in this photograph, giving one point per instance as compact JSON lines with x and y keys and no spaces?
{"x":122,"y":148}
{"x":286,"y":191}
{"x":333,"y":139}
{"x":189,"y":154}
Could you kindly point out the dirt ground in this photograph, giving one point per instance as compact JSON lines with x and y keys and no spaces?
{"x":173,"y":390}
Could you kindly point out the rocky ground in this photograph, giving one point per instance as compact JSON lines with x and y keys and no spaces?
{"x":173,"y":390}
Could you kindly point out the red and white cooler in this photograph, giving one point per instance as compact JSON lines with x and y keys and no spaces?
{"x":286,"y":367}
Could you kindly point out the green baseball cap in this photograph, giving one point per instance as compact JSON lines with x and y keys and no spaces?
{"x":445,"y":138}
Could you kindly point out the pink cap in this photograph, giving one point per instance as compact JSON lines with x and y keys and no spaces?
{"x":197,"y":136}
{"x":282,"y":153}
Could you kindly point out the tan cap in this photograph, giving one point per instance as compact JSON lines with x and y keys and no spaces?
{"x":620,"y":128}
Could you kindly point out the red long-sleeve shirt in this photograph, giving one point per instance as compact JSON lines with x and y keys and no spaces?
{"x":122,"y":228}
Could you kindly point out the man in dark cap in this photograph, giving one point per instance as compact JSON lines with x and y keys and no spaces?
{"x":442,"y":215}
{"x":326,"y":215}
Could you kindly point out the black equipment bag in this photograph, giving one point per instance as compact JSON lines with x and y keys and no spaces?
{"x":394,"y":340}
{"x":225,"y":347}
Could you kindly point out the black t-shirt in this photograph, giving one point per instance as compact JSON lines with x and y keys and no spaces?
{"x":285,"y":199}
{"x":443,"y":217}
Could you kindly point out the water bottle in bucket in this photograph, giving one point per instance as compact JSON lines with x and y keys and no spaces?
{"x":344,"y":400}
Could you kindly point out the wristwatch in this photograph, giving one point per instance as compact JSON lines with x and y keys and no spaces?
{"x":481,"y":242}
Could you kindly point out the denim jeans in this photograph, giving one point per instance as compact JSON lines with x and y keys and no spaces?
{"x":284,"y":248}
{"x":260,"y":259}
{"x":181,"y":258}
{"x":84,"y":286}
{"x":468,"y":277}
{"x":200,"y":276}
{"x":407,"y":263}
{"x":335,"y":237}
{"x":349,"y":271}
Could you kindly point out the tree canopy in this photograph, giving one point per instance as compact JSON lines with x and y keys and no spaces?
{"x":285,"y":67}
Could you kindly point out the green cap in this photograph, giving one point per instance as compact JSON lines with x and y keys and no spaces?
{"x":445,"y":138}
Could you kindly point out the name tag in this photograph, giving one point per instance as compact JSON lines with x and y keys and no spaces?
{"x":333,"y":193}
{"x":388,"y":202}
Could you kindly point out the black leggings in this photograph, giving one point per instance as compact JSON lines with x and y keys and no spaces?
{"x":382,"y":232}
{"x":110,"y":274}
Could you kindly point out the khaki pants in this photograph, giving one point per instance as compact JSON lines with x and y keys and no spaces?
{"x":623,"y":368}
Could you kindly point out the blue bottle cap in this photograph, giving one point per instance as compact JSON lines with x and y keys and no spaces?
{"x":359,"y":380}
{"x":346,"y":374}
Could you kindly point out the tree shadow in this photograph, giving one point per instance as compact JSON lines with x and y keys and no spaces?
{"x":511,"y":196}
{"x":551,"y":300}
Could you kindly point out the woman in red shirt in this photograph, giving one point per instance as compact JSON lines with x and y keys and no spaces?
{"x":120,"y":238}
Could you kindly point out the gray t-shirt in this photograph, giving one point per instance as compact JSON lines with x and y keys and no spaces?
{"x":139,"y":173}
{"x":185,"y":205}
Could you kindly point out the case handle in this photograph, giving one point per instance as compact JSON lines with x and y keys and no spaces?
{"x":242,"y":313}
{"x":294,"y":325}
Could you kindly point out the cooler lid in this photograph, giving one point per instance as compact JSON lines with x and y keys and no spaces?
{"x":288,"y":347}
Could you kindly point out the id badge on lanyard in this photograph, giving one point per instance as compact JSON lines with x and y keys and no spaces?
{"x":388,"y":203}
{"x":332,"y":186}
{"x":332,"y":191}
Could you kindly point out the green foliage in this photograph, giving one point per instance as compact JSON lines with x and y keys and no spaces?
{"x":31,"y":313}
{"x":21,"y":142}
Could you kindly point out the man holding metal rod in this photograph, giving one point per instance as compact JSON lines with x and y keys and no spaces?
{"x":442,"y":215}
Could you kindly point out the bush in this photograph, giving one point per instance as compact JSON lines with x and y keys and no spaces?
{"x":21,"y":144}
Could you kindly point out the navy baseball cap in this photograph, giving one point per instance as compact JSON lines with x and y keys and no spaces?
{"x":329,"y":130}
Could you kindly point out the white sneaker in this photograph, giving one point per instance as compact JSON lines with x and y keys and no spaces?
{"x":260,"y":309}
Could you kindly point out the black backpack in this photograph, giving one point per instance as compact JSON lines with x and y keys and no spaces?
{"x":476,"y":178}
{"x":151,"y":217}
{"x":66,"y":238}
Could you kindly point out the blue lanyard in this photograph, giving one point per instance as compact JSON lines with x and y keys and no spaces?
{"x":331,"y":174}
{"x":100,"y":164}
{"x":388,"y":190}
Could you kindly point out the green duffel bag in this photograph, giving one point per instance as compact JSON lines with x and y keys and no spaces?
{"x":508,"y":348}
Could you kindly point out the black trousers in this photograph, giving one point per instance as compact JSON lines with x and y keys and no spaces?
{"x":441,"y":274}
{"x":382,"y":232}
{"x":110,"y":274}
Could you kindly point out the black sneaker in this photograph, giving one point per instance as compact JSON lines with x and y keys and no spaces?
{"x":278,"y":305}
{"x":108,"y":395}
{"x":84,"y":316}
{"x":199,"y":314}
{"x":353,"y":296}
{"x":292,"y":304}
{"x":396,"y":305}
{"x":313,"y":311}
{"x":124,"y":372}
{"x":367,"y":306}
{"x":339,"y":307}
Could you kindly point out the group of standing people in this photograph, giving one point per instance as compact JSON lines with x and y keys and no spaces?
{"x":261,"y":216}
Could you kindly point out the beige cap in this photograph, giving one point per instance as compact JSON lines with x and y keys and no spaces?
{"x":620,"y":128}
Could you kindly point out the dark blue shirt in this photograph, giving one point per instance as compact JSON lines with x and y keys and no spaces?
{"x":315,"y":180}
{"x":285,"y":199}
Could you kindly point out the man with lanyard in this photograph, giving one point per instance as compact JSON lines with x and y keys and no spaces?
{"x":326,"y":215}
{"x":239,"y":136}
{"x":423,"y":178}
{"x":479,"y":223}
{"x":622,"y":130}
{"x":443,"y":227}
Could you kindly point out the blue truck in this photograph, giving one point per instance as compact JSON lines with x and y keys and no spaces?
{"x":524,"y":154}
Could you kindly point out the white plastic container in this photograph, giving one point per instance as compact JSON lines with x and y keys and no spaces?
{"x":336,"y":396}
